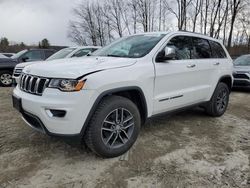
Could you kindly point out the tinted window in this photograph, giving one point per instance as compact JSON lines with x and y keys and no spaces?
{"x":202,"y":49}
{"x":217,"y":50}
{"x":82,"y":52}
{"x":182,"y":46}
{"x":93,"y":49}
{"x":34,"y":55}
{"x":48,"y":53}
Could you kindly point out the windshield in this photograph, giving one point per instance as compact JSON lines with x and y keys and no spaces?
{"x":243,"y":60}
{"x":19,"y":54}
{"x":61,"y":54}
{"x":130,"y":47}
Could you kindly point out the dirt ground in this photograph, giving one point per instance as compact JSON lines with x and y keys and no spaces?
{"x":188,"y":149}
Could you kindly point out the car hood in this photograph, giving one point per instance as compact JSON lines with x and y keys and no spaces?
{"x":74,"y":68}
{"x":241,"y":68}
{"x":22,"y":65}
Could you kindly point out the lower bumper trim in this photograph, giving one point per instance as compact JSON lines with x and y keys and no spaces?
{"x":35,"y":123}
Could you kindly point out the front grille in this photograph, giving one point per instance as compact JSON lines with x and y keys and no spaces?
{"x":33,"y":84}
{"x":17,"y":72}
{"x":242,"y":76}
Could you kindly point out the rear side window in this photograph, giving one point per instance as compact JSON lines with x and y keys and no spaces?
{"x":217,"y":50}
{"x":34,"y":55}
{"x":82,"y":52}
{"x":201,"y":49}
{"x":48,"y":53}
{"x":182,"y":46}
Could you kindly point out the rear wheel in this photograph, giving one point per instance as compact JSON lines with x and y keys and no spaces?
{"x":5,"y":78}
{"x":114,"y":127}
{"x":219,"y":101}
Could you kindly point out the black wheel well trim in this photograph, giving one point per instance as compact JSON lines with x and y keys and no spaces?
{"x":109,"y":92}
{"x":226,"y":77}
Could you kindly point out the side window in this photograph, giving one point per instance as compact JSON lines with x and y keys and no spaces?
{"x":82,"y":52}
{"x":217,"y":50}
{"x":34,"y":55}
{"x":93,"y":49}
{"x":182,"y":46}
{"x":48,"y":53}
{"x":202,"y":49}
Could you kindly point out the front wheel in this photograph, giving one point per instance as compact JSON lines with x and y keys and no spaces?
{"x":114,"y":127}
{"x":218,"y":104}
{"x":5,"y":78}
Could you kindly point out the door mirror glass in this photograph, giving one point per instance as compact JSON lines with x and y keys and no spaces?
{"x":167,"y":53}
{"x":170,"y":53}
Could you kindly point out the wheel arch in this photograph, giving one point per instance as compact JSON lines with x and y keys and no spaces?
{"x":134,"y":93}
{"x":227,"y":79}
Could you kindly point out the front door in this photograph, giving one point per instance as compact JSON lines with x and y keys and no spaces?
{"x":181,"y":81}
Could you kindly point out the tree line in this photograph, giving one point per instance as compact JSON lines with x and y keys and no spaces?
{"x":7,"y":46}
{"x":100,"y":22}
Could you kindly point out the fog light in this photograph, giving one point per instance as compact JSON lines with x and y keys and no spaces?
{"x":56,"y":113}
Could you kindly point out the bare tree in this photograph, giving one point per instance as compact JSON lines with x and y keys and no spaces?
{"x":114,"y":15}
{"x":179,"y":9}
{"x":196,"y":7}
{"x":99,"y":23}
{"x":235,"y":5}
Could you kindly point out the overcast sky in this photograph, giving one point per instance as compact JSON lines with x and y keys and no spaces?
{"x":30,"y":21}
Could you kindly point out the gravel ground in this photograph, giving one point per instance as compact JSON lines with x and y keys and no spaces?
{"x":188,"y":149}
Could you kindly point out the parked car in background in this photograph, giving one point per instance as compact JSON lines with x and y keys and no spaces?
{"x":241,"y":72}
{"x":8,"y":54}
{"x":7,"y":65}
{"x":64,"y":53}
{"x":6,"y":68}
{"x":106,"y":97}
{"x":30,"y":55}
{"x":73,"y":52}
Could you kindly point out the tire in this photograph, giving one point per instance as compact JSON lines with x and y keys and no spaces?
{"x":217,"y":106}
{"x":104,"y":135}
{"x":6,"y":78}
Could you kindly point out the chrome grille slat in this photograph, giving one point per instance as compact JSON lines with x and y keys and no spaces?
{"x":33,"y":84}
{"x":25,"y":83}
{"x":45,"y":84}
{"x":30,"y":83}
{"x":36,"y":86}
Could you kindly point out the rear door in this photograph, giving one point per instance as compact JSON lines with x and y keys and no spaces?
{"x":219,"y":60}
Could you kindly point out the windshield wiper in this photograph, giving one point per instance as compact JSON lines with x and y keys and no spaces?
{"x":113,"y":55}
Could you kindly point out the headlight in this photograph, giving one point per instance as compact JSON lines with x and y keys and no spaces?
{"x":67,"y":84}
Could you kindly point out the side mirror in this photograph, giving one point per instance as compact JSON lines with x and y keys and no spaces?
{"x":170,"y":52}
{"x":25,"y":59}
{"x":167,"y":53}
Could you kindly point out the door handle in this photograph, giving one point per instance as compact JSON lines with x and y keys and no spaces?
{"x":191,"y":66}
{"x":217,"y":63}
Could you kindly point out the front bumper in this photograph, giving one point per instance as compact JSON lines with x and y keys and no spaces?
{"x":36,"y":110}
{"x":241,"y":84}
{"x":241,"y":80}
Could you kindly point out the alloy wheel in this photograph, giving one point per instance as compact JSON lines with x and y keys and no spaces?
{"x":6,"y":79}
{"x":117,"y":128}
{"x":222,"y":100}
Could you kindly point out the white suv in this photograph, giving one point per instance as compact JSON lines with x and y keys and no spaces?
{"x":106,"y":97}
